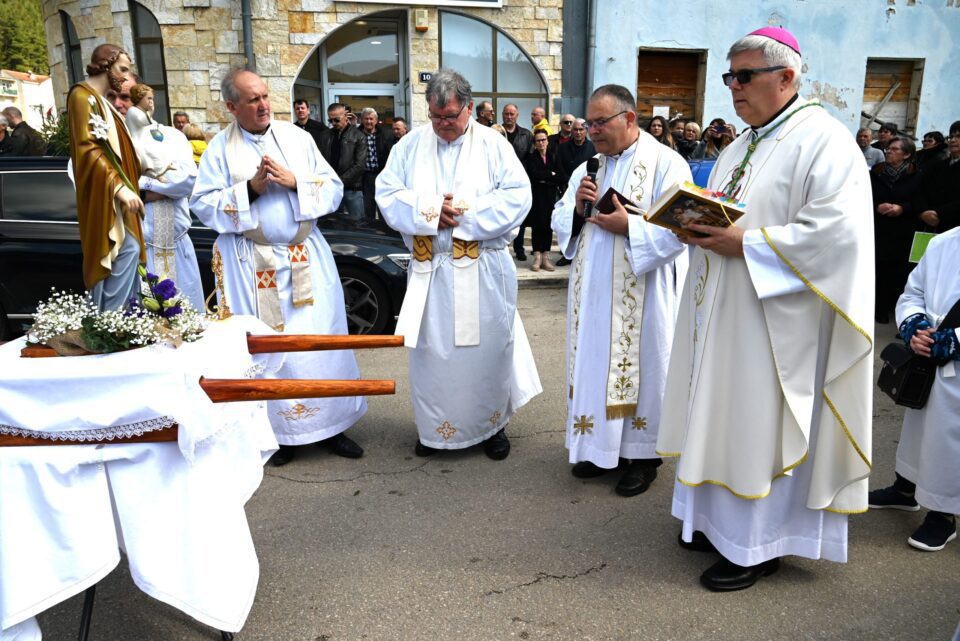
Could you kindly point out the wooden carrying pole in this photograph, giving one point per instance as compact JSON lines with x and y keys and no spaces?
{"x":234,"y":390}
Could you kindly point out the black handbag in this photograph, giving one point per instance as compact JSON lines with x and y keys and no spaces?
{"x":907,"y":377}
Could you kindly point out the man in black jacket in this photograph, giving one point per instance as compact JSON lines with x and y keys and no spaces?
{"x":302,"y":119}
{"x":24,"y":139}
{"x":378,"y":148}
{"x":345,"y":149}
{"x":522,"y":141}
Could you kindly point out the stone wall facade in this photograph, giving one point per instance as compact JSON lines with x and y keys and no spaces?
{"x":203,"y":39}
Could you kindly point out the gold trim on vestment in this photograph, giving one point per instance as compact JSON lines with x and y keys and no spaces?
{"x":423,"y":248}
{"x":216,"y":266}
{"x":841,"y":314}
{"x":747,"y":497}
{"x":468,"y":248}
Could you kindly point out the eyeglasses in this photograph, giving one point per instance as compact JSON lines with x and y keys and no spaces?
{"x":566,"y":122}
{"x":890,"y":150}
{"x":744,"y":76}
{"x":438,"y":118}
{"x":600,"y":123}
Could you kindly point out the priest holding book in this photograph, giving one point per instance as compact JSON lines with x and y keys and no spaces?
{"x":623,"y":294}
{"x":768,"y":401}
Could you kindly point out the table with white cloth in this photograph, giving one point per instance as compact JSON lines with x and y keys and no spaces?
{"x":175,"y":508}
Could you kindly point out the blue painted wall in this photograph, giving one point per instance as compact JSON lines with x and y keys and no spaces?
{"x":836,"y":38}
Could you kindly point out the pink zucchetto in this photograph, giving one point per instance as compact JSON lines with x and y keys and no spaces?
{"x":779,"y":34}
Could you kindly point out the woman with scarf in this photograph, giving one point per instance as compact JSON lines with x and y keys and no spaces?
{"x":895,"y":183}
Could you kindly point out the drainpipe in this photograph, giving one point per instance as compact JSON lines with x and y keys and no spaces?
{"x":591,"y":56}
{"x":247,"y":16}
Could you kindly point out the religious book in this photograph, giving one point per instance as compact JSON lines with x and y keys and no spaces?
{"x":686,"y":203}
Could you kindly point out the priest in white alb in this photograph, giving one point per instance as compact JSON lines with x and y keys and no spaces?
{"x":457,"y":193}
{"x":263,"y":184}
{"x":769,"y":391}
{"x":623,"y":296}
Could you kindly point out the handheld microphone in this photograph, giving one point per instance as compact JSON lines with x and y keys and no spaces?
{"x":593,"y":166}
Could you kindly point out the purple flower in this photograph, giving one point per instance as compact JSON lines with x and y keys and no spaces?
{"x":152,"y":278}
{"x":164,"y":290}
{"x":170,"y":312}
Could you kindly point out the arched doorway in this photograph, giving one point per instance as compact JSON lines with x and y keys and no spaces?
{"x":361,"y":64}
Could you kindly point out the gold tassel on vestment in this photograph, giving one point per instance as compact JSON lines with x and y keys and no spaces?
{"x":621,"y":411}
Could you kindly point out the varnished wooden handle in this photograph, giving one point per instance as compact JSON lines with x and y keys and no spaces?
{"x":317,"y":342}
{"x":227,"y":390}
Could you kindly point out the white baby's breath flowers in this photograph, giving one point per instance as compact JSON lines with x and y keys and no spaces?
{"x":61,"y":313}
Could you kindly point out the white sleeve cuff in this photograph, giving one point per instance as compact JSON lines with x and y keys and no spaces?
{"x":770,"y":275}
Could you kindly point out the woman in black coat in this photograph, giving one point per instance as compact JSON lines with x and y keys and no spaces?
{"x":895,"y":183}
{"x":539,"y":168}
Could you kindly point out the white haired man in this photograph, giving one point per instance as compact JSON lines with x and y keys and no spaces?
{"x":263,"y":184}
{"x":769,"y":391}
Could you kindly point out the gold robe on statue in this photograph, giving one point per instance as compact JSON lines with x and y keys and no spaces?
{"x":102,"y":223}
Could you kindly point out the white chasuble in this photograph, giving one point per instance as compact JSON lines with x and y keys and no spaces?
{"x":622,"y":303}
{"x":769,"y":393}
{"x":263,"y":246}
{"x":929,"y":449}
{"x":471,"y":365}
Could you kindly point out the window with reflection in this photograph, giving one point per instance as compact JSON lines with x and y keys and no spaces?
{"x":148,"y":57}
{"x":498,"y":70}
{"x":364,"y":51}
{"x":20,"y":201}
{"x":71,"y":46}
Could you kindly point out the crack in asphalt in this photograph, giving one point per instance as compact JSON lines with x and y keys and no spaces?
{"x":543,"y":576}
{"x":519,"y":436}
{"x":418,"y":468}
{"x":612,"y":519}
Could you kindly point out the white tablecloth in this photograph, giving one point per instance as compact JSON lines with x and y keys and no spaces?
{"x":175,"y":508}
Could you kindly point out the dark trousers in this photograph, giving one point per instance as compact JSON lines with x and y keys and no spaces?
{"x":369,"y":194}
{"x":518,"y":241}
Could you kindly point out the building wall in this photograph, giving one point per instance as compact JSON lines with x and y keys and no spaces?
{"x":203,"y":39}
{"x":836,"y":38}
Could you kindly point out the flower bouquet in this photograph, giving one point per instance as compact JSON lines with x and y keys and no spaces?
{"x":72,"y":325}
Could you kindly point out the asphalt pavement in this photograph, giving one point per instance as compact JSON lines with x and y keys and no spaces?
{"x":459,"y":547}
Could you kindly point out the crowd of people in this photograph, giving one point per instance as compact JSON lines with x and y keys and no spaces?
{"x":758,"y":334}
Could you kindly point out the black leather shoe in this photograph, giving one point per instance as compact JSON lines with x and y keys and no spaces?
{"x":343,"y":445}
{"x":422,"y":450}
{"x":283,"y":456}
{"x":497,"y":446}
{"x":563,"y":262}
{"x":587,"y":470}
{"x":637,"y":478}
{"x":521,"y":255}
{"x":724,"y":576}
{"x":699,"y":543}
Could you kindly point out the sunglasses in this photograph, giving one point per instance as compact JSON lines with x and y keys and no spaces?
{"x":744,"y":76}
{"x":566,"y":122}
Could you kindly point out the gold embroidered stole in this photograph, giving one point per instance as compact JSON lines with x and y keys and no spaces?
{"x":264,"y":259}
{"x":626,"y":313}
{"x":465,"y":254}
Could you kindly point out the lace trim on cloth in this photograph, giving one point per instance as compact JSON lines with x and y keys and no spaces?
{"x":95,"y":435}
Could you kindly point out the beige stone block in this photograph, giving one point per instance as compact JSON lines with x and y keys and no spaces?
{"x":300,"y":22}
{"x":289,"y":5}
{"x":228,"y":42}
{"x":294,"y":54}
{"x":179,"y":35}
{"x":552,"y":3}
{"x":214,"y":19}
{"x":203,"y":97}
{"x":548,"y":13}
{"x":555,"y":32}
{"x":204,"y":39}
{"x":182,"y":95}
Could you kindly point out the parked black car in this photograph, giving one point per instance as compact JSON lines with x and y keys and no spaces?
{"x":40,"y":249}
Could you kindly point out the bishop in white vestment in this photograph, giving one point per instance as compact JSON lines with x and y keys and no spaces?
{"x":263,"y":184}
{"x":622,"y":299}
{"x":769,"y":393}
{"x":457,"y":193}
{"x":928,"y":455}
